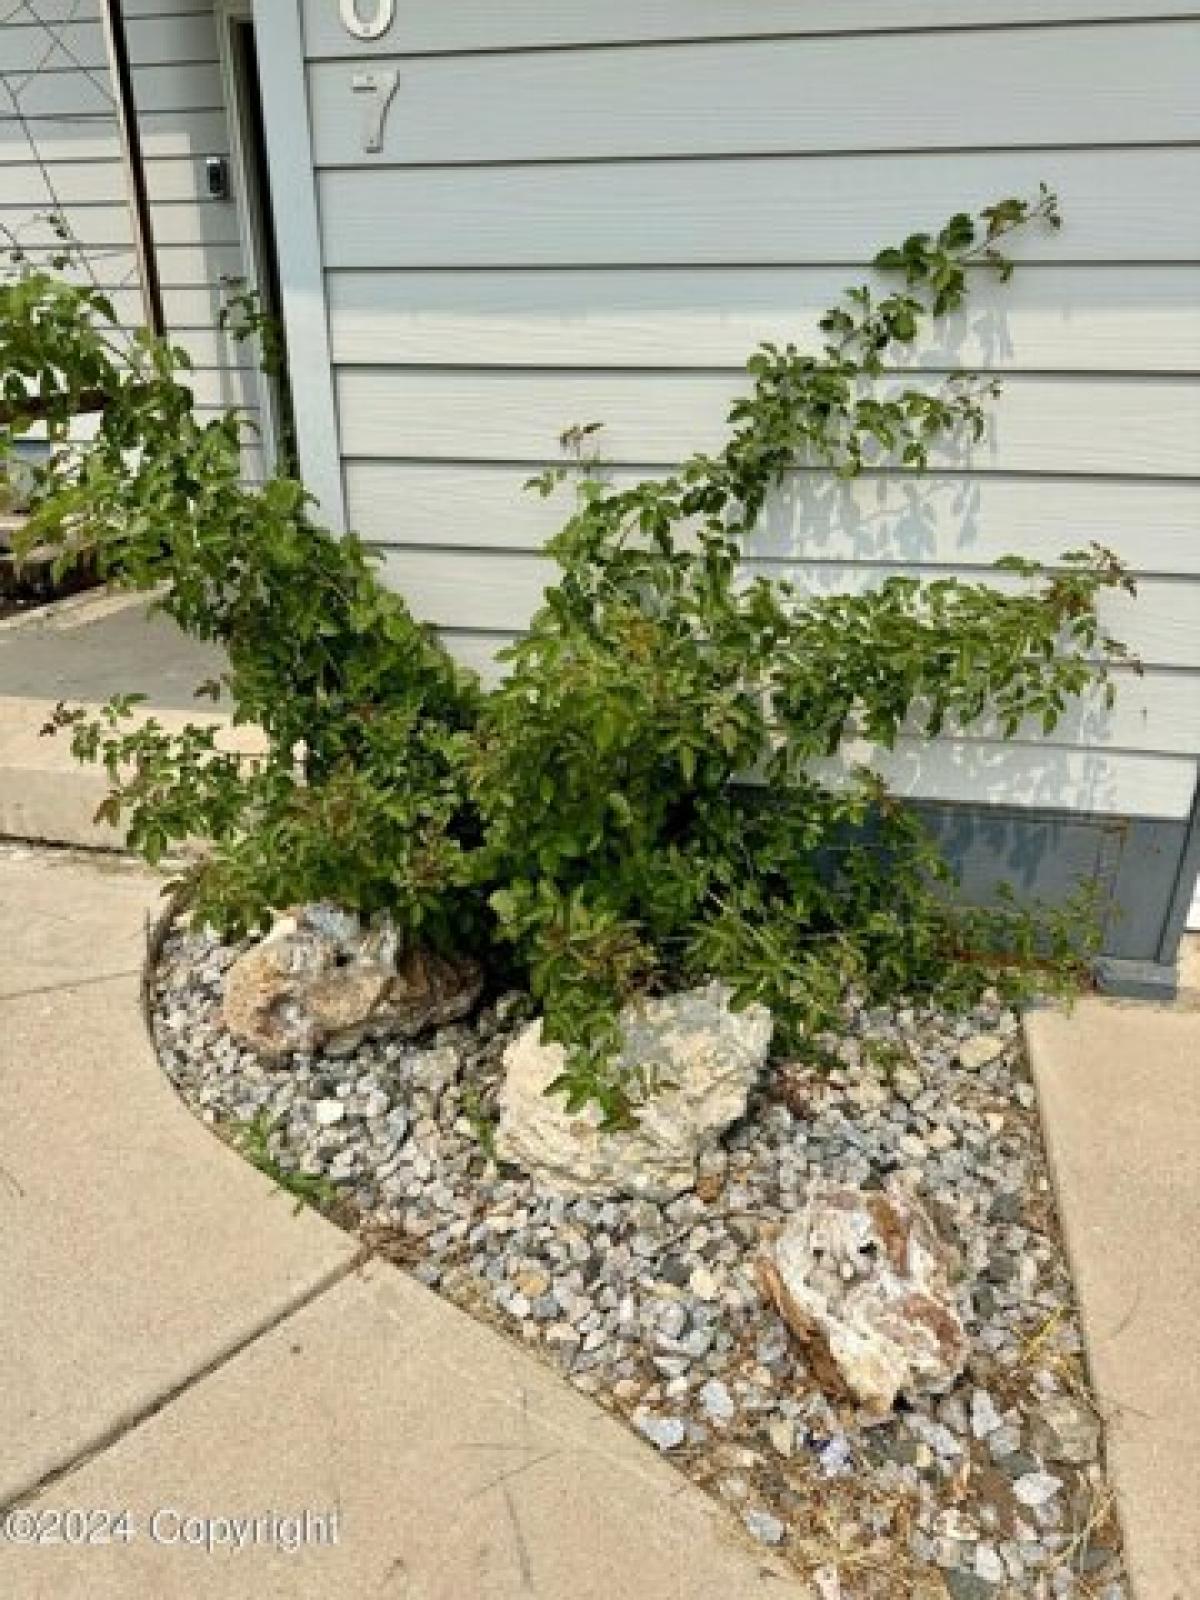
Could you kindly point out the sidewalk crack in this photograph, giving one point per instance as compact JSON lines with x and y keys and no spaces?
{"x":138,"y":1416}
{"x":71,"y":983}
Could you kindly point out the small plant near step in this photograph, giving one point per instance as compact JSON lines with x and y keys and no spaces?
{"x":663,"y":787}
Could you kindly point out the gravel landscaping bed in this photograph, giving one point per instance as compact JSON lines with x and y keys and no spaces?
{"x":993,"y":1490}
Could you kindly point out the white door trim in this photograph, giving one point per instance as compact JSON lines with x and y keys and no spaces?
{"x":249,"y":233}
{"x":298,"y":242}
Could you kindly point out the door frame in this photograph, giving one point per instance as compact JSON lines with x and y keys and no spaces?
{"x":284,"y":96}
{"x":252,"y":243}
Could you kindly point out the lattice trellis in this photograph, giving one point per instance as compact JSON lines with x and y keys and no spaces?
{"x":56,"y":50}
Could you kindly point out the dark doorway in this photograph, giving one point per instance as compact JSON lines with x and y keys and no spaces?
{"x":253,"y":181}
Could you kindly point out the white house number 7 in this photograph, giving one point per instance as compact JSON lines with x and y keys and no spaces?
{"x":381,"y":86}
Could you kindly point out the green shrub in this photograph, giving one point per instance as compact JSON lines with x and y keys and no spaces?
{"x":642,"y":800}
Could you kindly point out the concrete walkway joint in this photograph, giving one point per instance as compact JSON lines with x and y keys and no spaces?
{"x":179,"y":1343}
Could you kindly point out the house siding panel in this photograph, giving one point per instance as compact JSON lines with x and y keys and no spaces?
{"x":1124,"y":205}
{"x":483,"y":25}
{"x":1092,"y":318}
{"x":1028,"y":87}
{"x":1083,"y":426}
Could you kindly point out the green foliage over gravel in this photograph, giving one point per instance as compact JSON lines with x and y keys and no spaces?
{"x":642,"y":801}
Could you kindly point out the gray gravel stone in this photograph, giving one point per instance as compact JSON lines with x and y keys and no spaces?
{"x":964,"y":1585}
{"x":1036,"y":1488}
{"x":1019,"y":1465}
{"x":1004,"y":1443}
{"x":665,"y":1432}
{"x":985,"y":1419}
{"x":656,"y":1309}
{"x":717,"y":1401}
{"x":764,"y":1526}
{"x":673,"y":1319}
{"x":988,"y":1565}
{"x":1064,"y":1430}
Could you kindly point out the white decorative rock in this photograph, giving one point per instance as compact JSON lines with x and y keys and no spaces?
{"x":707,"y":1054}
{"x":321,"y":979}
{"x":863,"y":1282}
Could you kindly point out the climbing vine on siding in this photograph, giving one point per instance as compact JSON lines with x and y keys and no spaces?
{"x":648,"y":797}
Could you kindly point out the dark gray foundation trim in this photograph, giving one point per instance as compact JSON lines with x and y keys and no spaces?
{"x":1144,"y":869}
{"x":1138,"y":980}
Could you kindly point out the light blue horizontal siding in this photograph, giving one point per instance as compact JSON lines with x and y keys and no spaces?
{"x":1047,"y":318}
{"x":949,"y":519}
{"x":1018,"y":88}
{"x":592,"y":213}
{"x":1073,"y":424}
{"x":1124,"y":206}
{"x":486,"y":25}
{"x":69,"y":46}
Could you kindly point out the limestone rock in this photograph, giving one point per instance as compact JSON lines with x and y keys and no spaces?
{"x":863,"y":1281}
{"x":321,"y":979}
{"x":707,"y":1057}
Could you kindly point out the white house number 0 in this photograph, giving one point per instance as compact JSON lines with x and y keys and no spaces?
{"x":379,"y":86}
{"x":373,"y":27}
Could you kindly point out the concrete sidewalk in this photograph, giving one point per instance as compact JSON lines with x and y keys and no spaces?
{"x":178,"y":1340}
{"x":100,"y":644}
{"x":1119,"y":1085}
{"x":82,"y":651}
